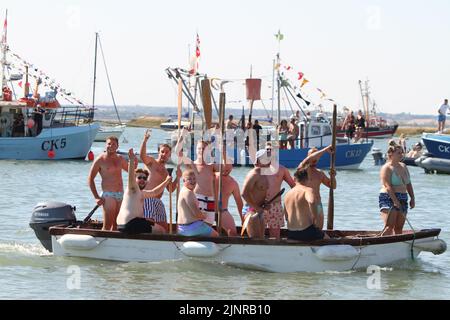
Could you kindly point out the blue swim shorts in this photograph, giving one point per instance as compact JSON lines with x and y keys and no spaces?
{"x":441,"y":118}
{"x":386,"y":202}
{"x":197,"y":228}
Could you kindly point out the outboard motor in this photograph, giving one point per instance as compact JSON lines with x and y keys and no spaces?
{"x":49,"y":214}
{"x":378,"y":157}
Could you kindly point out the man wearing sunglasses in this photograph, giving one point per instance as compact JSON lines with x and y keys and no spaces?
{"x":131,"y":218}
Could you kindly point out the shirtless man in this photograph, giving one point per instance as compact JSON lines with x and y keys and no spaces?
{"x":110,"y":165}
{"x":317,"y":177}
{"x":293,"y":132}
{"x":131,"y":215}
{"x":274,"y":218}
{"x":205,"y":177}
{"x":190,"y":217}
{"x":254,"y":192}
{"x":153,"y":206}
{"x":229,"y":187}
{"x":300,"y":209}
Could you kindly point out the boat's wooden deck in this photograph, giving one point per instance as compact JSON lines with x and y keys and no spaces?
{"x":354,"y":238}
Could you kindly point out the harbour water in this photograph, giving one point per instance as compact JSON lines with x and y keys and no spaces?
{"x":27,"y":271}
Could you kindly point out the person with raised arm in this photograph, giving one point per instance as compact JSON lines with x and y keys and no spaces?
{"x":131,"y":218}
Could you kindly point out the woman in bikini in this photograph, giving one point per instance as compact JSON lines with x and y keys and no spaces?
{"x":393,"y":198}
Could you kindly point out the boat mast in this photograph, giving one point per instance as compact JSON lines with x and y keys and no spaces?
{"x":95,"y":74}
{"x":273,"y":84}
{"x":4,"y":48}
{"x":363,"y":101}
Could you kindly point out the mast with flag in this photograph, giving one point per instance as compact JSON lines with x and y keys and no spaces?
{"x":279,"y":36}
{"x":4,"y":48}
{"x":195,"y":59}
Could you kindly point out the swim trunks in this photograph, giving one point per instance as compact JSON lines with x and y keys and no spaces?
{"x":136,"y":226}
{"x":154,"y":209}
{"x":208,"y":205}
{"x":113,"y":194}
{"x":273,"y":217}
{"x":309,"y":234}
{"x":386,"y":203}
{"x":196,"y":228}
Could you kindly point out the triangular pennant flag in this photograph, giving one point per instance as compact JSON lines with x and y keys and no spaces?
{"x":305,"y":81}
{"x":300,"y":75}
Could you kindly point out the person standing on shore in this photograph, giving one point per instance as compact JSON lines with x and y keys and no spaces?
{"x":442,"y":116}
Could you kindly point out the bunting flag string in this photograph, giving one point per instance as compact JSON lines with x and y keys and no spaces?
{"x":21,"y":65}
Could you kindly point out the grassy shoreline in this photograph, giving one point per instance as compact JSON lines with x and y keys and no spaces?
{"x":155,"y":122}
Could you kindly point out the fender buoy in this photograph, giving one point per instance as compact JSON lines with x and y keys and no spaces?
{"x":91,"y":156}
{"x":51,"y":154}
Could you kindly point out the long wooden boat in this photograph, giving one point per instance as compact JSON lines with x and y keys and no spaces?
{"x":346,"y":250}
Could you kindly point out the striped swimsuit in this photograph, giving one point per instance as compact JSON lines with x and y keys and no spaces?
{"x":154,"y":209}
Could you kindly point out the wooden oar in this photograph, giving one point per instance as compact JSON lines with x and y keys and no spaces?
{"x":221,"y":160}
{"x":180,"y":102}
{"x":330,"y":219}
{"x":247,"y":218}
{"x":206,"y":100}
{"x":170,"y":202}
{"x":86,"y":220}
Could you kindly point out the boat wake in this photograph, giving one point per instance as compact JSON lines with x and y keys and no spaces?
{"x":13,"y":254}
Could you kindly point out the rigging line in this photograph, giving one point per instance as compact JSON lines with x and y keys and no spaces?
{"x":109,"y":82}
{"x":287,"y":98}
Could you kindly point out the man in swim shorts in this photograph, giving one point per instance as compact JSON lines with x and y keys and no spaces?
{"x":110,"y":165}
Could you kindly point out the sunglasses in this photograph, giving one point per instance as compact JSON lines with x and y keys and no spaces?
{"x":142,"y":178}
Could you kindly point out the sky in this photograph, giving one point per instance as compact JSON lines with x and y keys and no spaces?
{"x":402,"y":47}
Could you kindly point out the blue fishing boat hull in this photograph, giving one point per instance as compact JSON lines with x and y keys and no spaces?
{"x":437,"y":144}
{"x":348,"y":156}
{"x":67,"y":143}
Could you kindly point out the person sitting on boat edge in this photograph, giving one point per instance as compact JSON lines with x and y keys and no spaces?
{"x":300,"y":210}
{"x":153,"y":206}
{"x":110,"y":165}
{"x":131,"y":215}
{"x":316,"y":178}
{"x":229,"y":187}
{"x":395,"y":187}
{"x":254,"y":192}
{"x":142,"y":180}
{"x":190,"y":218}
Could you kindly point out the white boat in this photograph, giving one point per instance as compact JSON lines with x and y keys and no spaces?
{"x":36,"y":127}
{"x":56,"y":227}
{"x":170,"y":124}
{"x":106,"y":132}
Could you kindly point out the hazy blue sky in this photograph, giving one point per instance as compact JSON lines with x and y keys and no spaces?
{"x":401,"y":46}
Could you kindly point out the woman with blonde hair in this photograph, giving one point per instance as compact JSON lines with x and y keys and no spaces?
{"x":395,"y":187}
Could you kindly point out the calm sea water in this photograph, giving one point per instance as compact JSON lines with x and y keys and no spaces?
{"x":27,"y":271}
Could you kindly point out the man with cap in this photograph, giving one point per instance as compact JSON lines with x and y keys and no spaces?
{"x":254,"y":192}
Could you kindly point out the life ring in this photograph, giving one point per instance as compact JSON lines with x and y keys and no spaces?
{"x":5,"y":122}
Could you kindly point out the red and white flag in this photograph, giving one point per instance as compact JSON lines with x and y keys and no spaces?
{"x":5,"y":29}
{"x":194,"y":61}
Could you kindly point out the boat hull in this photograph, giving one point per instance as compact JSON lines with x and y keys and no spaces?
{"x":263,"y":255}
{"x":67,"y":143}
{"x":375,"y":132}
{"x":104,"y":133}
{"x":348,"y":156}
{"x":438,"y":145}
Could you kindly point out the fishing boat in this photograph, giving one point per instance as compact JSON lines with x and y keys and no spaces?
{"x":35,"y":127}
{"x":438,"y":145}
{"x":376,"y":126}
{"x":58,"y":230}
